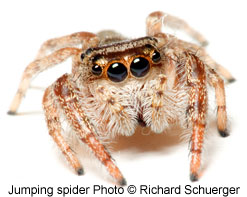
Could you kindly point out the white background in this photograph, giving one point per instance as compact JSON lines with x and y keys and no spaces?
{"x":28,"y":156}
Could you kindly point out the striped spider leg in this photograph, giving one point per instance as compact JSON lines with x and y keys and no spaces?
{"x":60,"y":98}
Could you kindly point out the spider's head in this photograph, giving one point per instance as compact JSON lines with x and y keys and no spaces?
{"x":119,"y":61}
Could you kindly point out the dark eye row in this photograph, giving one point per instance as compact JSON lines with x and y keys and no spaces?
{"x":117,"y":71}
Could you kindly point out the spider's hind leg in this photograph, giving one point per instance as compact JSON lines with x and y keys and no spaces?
{"x":220,"y":69}
{"x":154,"y":24}
{"x":155,"y":21}
{"x":109,"y":37}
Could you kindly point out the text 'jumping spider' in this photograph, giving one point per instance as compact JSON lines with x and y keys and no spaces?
{"x":117,"y":84}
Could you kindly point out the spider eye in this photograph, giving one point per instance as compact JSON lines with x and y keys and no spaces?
{"x":89,"y":51}
{"x":149,"y":46}
{"x":156,"y":56}
{"x":139,"y":67}
{"x":96,"y":58}
{"x":82,"y":56}
{"x":96,"y":70}
{"x":117,"y":72}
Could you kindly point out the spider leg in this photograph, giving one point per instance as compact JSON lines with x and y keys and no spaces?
{"x":220,"y":69}
{"x":201,"y":52}
{"x":34,"y":68}
{"x":218,"y":84}
{"x":54,"y":126}
{"x":155,"y":20}
{"x":109,"y":36}
{"x":154,"y":24}
{"x":69,"y":102}
{"x":85,"y":38}
{"x":196,"y":79}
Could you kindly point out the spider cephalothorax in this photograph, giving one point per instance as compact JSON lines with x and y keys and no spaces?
{"x":119,"y":61}
{"x":117,"y":84}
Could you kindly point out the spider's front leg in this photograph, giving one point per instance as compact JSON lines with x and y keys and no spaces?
{"x":70,"y":105}
{"x":196,"y":79}
{"x":51,"y":109}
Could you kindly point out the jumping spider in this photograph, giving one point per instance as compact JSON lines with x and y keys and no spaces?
{"x":117,"y":84}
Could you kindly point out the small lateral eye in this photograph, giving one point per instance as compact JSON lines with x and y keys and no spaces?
{"x":82,"y":56}
{"x":117,"y":72}
{"x":95,"y":58}
{"x":149,"y":46}
{"x":89,"y":51}
{"x":156,"y":56}
{"x":139,"y":67}
{"x":96,"y":70}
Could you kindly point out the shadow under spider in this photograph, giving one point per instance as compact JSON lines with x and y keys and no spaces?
{"x":145,"y":140}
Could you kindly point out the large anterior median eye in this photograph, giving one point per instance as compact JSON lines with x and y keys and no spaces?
{"x":139,"y":67}
{"x":117,"y":72}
